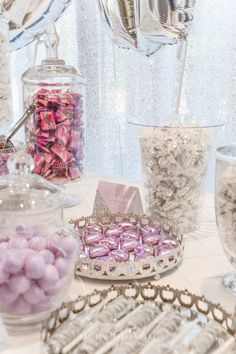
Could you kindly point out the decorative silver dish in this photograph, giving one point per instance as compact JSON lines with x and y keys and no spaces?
{"x":150,"y":266}
{"x":137,"y":318}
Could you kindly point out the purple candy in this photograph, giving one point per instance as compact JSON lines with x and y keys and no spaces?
{"x":3,"y":275}
{"x":13,"y":261}
{"x":145,"y":230}
{"x":130,"y":234}
{"x":43,"y":306}
{"x":127,"y":226}
{"x":49,"y":278}
{"x":47,"y":256}
{"x":3,"y":247}
{"x":7,"y":296}
{"x":55,"y":245}
{"x":113,"y":230}
{"x":54,"y":289}
{"x":62,"y":266}
{"x":20,"y":307}
{"x":110,"y":242}
{"x":38,"y":243}
{"x":152,"y":239}
{"x":170,"y":242}
{"x":19,"y":284}
{"x":93,"y":238}
{"x":70,"y":246}
{"x":25,"y":231}
{"x":19,"y":243}
{"x":148,"y":250}
{"x":34,"y":295}
{"x":34,"y":267}
{"x":98,"y":251}
{"x":119,"y":255}
{"x":130,"y":244}
{"x":93,"y":228}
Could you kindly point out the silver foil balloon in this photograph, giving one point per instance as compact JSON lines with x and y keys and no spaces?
{"x":30,"y":18}
{"x":145,"y":25}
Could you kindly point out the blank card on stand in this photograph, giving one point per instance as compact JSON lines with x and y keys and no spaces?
{"x":115,"y":198}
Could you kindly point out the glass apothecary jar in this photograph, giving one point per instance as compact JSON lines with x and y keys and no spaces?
{"x":37,"y":251}
{"x":55,"y":133}
{"x":175,"y":156}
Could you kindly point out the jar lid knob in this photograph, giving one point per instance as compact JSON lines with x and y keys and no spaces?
{"x":20,"y":163}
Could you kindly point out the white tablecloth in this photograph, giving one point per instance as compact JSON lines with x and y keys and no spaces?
{"x":200,"y":272}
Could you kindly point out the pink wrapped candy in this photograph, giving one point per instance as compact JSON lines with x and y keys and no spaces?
{"x":146,"y":230}
{"x":130,"y":244}
{"x":152,"y":239}
{"x":119,"y":255}
{"x":113,"y":230}
{"x":98,"y":251}
{"x":130,"y":234}
{"x":111,"y":242}
{"x":55,"y":134}
{"x":92,"y":238}
{"x":93,"y":228}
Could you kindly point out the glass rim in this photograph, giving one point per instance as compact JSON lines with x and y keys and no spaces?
{"x":223,"y":155}
{"x":186,"y":121}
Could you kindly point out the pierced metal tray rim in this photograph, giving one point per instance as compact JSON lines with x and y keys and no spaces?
{"x":141,"y":220}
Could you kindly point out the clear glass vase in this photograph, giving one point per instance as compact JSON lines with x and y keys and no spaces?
{"x":175,"y":158}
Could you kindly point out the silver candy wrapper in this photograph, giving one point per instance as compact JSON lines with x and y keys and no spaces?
{"x":29,"y":18}
{"x":145,"y":25}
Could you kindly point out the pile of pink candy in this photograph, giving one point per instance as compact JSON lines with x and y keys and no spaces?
{"x":125,"y":241}
{"x":55,"y":134}
{"x":33,"y":270}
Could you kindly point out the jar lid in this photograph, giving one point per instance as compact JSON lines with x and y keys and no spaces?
{"x":23,"y":191}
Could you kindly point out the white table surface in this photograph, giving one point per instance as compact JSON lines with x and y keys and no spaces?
{"x":200,"y":272}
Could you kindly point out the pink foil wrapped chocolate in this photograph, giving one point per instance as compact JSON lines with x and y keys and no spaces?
{"x":111,"y":242}
{"x":55,"y":134}
{"x":130,"y":234}
{"x":146,"y":230}
{"x":129,"y":244}
{"x":113,"y":230}
{"x":93,"y":228}
{"x":119,"y":255}
{"x":93,"y":238}
{"x":152,"y":239}
{"x":98,"y":251}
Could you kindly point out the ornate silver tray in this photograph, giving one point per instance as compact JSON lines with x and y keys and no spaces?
{"x":63,"y":332}
{"x":151,"y":266}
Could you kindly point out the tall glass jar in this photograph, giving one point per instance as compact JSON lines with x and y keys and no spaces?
{"x":55,"y":133}
{"x":37,"y":251}
{"x":6,"y":116}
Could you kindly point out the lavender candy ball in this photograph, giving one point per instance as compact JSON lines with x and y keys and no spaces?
{"x":7,"y":296}
{"x":111,"y":242}
{"x":38,"y":243}
{"x":34,"y":295}
{"x":3,"y":275}
{"x":152,"y":239}
{"x":3,"y":247}
{"x":20,"y":307}
{"x":43,"y":306}
{"x":129,"y":244}
{"x":55,"y":245}
{"x":48,"y":256}
{"x":92,"y":238}
{"x":119,"y":255}
{"x":62,"y":266}
{"x":98,"y":251}
{"x":19,"y":284}
{"x":49,"y":278}
{"x":54,"y":289}
{"x":113,"y":230}
{"x":25,"y":231}
{"x":70,"y":246}
{"x":17,"y":242}
{"x":13,"y":261}
{"x":34,"y":266}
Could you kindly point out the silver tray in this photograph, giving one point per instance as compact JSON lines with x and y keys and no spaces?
{"x":194,"y":307}
{"x":151,"y":266}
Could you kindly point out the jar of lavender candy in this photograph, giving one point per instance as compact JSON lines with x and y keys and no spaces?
{"x":175,"y":158}
{"x":55,"y":133}
{"x":37,"y":251}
